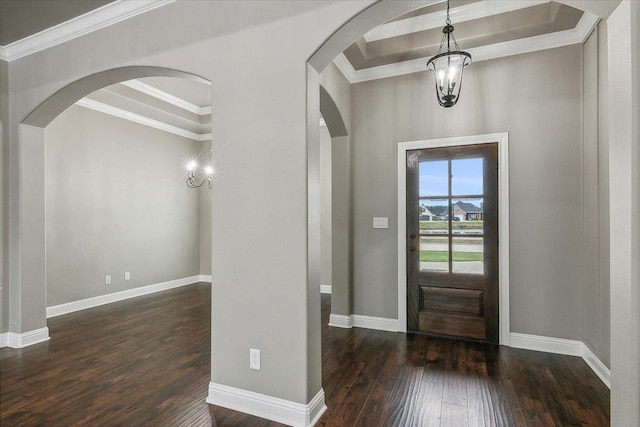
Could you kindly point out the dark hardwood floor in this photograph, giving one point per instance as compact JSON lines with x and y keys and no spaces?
{"x":146,"y":362}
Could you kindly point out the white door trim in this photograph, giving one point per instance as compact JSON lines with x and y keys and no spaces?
{"x":503,"y":220}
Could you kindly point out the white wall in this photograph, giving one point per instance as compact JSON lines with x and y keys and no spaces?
{"x":536,"y":98}
{"x":116,"y":201}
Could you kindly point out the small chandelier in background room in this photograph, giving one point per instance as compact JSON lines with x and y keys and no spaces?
{"x":447,"y":67}
{"x":194,"y":175}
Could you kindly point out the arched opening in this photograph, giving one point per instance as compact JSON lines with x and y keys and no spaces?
{"x":336,"y":210}
{"x":381,"y":12}
{"x":32,"y":302}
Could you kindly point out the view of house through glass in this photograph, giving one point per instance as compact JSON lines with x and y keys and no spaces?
{"x":451,"y":216}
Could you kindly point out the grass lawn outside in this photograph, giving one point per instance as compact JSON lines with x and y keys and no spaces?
{"x":443,"y":256}
{"x":443,"y":225}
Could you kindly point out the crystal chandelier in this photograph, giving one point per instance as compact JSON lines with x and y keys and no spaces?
{"x":448,"y":66}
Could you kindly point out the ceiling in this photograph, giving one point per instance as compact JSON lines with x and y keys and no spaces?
{"x":174,"y":105}
{"x":23,"y":18}
{"x":487,"y":29}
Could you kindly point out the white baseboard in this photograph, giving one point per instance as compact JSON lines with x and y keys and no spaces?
{"x":83,"y":304}
{"x":547,"y":344}
{"x":378,"y":323}
{"x":3,"y":339}
{"x":25,"y":339}
{"x":204,"y":278}
{"x":597,"y":366}
{"x":562,"y":346}
{"x":340,"y":321}
{"x":325,"y":289}
{"x":361,"y":321}
{"x":272,"y":408}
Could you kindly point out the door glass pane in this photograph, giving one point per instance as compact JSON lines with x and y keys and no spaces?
{"x":468,"y":216}
{"x":434,"y":253}
{"x":434,"y":178}
{"x":468,"y":255}
{"x":467,"y":177}
{"x":433,"y":216}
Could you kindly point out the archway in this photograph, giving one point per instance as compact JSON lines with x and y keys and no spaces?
{"x":341,"y":292}
{"x":27,"y":306}
{"x":622,"y":20}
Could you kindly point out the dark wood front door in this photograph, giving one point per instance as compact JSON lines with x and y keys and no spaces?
{"x":452,"y":241}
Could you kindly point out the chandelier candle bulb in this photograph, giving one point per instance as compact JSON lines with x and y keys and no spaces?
{"x":193,"y":177}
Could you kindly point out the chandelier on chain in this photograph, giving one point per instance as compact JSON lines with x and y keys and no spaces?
{"x":448,"y":66}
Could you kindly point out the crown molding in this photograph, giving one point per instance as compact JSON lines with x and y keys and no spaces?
{"x":104,"y":16}
{"x":167,"y":97}
{"x":459,"y":14}
{"x":136,"y":118}
{"x":345,"y":67}
{"x":576,"y":35}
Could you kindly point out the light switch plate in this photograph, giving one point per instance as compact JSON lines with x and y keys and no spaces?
{"x":380,"y":222}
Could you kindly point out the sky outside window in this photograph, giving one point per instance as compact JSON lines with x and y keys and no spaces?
{"x":466,"y":180}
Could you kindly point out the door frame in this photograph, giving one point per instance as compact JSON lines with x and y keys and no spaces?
{"x":502,"y":139}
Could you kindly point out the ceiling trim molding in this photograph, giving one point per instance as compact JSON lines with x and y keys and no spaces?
{"x":459,"y":14}
{"x":104,"y":16}
{"x":137,"y":118}
{"x":484,"y":53}
{"x":167,"y":97}
{"x":344,"y":65}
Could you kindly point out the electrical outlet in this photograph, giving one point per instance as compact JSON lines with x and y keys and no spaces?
{"x":127,"y":275}
{"x":107,"y":279}
{"x":254,"y":359}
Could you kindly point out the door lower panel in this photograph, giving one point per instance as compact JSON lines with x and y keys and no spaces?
{"x":458,"y":325}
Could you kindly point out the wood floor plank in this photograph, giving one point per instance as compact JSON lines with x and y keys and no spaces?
{"x":146,"y":362}
{"x":454,"y":415}
{"x":479,"y":400}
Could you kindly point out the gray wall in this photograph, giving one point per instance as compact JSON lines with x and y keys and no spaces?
{"x":4,"y":170}
{"x":596,"y":194}
{"x":251,"y":144}
{"x":204,"y":221}
{"x":535,"y":97}
{"x":325,"y":206}
{"x":339,"y":89}
{"x":116,"y":201}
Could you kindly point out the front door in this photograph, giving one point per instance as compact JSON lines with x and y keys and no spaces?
{"x":452,"y":241}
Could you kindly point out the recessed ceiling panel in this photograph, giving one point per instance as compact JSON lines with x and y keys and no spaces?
{"x":414,"y":41}
{"x":192,"y":91}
